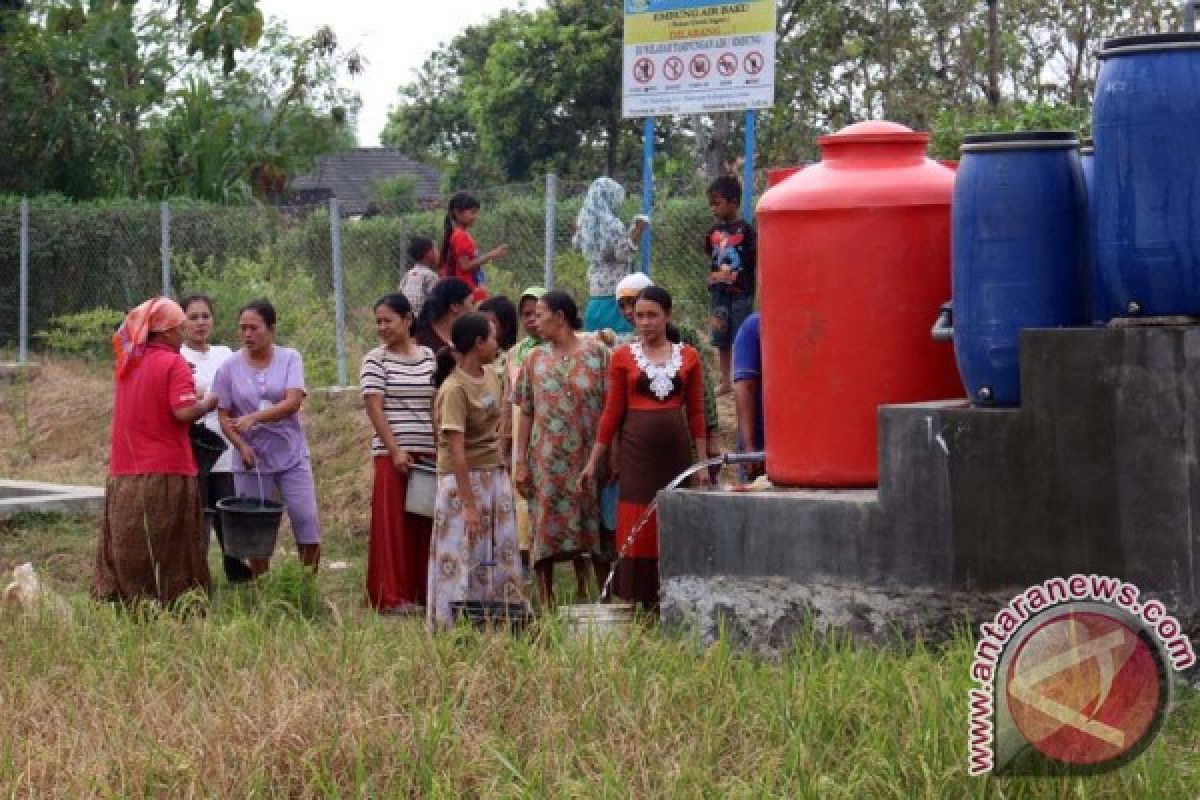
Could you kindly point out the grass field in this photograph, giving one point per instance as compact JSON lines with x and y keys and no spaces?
{"x":292,"y":689}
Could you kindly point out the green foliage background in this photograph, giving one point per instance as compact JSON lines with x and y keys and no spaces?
{"x":91,"y":261}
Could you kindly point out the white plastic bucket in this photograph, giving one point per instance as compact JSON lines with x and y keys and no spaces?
{"x":422,"y":490}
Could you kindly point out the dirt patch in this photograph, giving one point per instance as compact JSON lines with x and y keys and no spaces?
{"x":55,"y":427}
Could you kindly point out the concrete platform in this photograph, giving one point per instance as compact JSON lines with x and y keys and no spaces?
{"x":12,"y":372}
{"x":1098,"y":471}
{"x":29,"y":496}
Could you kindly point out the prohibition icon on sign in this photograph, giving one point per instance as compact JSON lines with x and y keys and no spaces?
{"x":754,"y":62}
{"x":727,"y":64}
{"x":673,"y":68}
{"x":643,"y":70}
{"x":700,"y":65}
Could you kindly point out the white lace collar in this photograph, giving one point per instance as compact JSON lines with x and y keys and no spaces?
{"x":662,"y":376}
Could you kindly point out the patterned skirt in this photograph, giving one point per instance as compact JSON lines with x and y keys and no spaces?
{"x":464,"y":568}
{"x":153,"y":543}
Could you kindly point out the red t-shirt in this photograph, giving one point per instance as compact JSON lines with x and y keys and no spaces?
{"x":146,"y":437}
{"x":461,"y":246}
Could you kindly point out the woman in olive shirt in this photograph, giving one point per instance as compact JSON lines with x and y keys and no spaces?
{"x":474,"y":519}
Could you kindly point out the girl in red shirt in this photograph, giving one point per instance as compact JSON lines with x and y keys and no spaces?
{"x":656,"y":405}
{"x":460,"y":255}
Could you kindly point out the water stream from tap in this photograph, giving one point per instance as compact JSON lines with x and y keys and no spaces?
{"x":645,"y":517}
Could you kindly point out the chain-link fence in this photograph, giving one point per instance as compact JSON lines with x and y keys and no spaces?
{"x":80,"y":266}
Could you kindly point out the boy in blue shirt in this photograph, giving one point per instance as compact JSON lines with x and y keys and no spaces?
{"x":732,"y":249}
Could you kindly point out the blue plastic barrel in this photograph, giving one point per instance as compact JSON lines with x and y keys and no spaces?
{"x":1019,"y":245}
{"x":1097,"y":309}
{"x":1146,"y":124}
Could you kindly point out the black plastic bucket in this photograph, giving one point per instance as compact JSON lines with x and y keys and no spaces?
{"x":207,"y":447}
{"x":493,"y":614}
{"x":249,"y":526}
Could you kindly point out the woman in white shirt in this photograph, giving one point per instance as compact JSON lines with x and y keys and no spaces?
{"x":205,"y":359}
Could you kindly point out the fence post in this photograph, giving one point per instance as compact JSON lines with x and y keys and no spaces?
{"x":164,"y":218}
{"x":339,"y":297}
{"x":551,"y":226}
{"x":647,"y":187}
{"x":23,"y":313}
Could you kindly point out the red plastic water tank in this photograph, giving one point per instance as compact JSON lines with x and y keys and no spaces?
{"x":777,"y":175}
{"x":854,"y":261}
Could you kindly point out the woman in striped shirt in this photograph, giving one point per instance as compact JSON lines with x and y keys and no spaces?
{"x":397,"y":387}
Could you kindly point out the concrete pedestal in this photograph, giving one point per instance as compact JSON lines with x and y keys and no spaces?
{"x":1096,"y":472}
{"x":13,"y":372}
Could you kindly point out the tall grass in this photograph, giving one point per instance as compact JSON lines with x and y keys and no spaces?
{"x":290,"y":688}
{"x":271,"y":691}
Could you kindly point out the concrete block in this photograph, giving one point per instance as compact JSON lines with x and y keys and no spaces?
{"x":13,"y":372}
{"x":1097,"y":471}
{"x":30,"y":496}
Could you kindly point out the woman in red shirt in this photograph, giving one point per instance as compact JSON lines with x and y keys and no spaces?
{"x":651,"y":384}
{"x":460,"y":256}
{"x":153,"y":543}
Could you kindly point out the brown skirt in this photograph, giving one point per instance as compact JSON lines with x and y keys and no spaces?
{"x":153,"y":544}
{"x":655,"y":447}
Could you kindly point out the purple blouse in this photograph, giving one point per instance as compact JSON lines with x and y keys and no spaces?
{"x":242,"y":389}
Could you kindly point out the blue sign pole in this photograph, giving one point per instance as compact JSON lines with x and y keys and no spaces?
{"x":647,"y":186}
{"x":748,"y":168}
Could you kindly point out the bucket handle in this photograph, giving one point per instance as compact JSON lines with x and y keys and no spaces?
{"x":262,"y":497}
{"x":943,"y":326}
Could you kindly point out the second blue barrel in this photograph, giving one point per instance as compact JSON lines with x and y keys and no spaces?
{"x":1097,"y":306}
{"x":1019,"y":252}
{"x":1146,"y":123}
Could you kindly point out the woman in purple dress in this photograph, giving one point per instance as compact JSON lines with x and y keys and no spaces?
{"x":260,"y":390}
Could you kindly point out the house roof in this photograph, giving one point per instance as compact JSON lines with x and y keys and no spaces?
{"x":349,"y":175}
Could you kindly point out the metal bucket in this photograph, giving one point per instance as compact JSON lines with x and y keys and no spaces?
{"x":421,"y":495}
{"x":598,"y":620}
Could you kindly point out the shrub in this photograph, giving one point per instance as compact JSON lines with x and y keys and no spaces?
{"x":952,"y":125}
{"x":396,"y":195}
{"x":87,"y":333}
{"x":306,"y":315}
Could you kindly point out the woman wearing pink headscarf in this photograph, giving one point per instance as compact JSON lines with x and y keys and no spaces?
{"x":152,"y":542}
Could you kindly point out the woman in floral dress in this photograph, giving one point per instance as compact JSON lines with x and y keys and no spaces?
{"x":560,"y":394}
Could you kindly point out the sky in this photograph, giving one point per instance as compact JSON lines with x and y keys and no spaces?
{"x":394,"y":36}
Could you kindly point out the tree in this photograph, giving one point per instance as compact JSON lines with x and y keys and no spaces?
{"x":522,"y":93}
{"x":137,"y":49}
{"x":432,"y":121}
{"x":116,"y":97}
{"x":225,"y":137}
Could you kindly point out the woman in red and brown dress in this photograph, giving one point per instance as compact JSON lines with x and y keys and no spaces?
{"x":651,"y":384}
{"x":152,"y":545}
